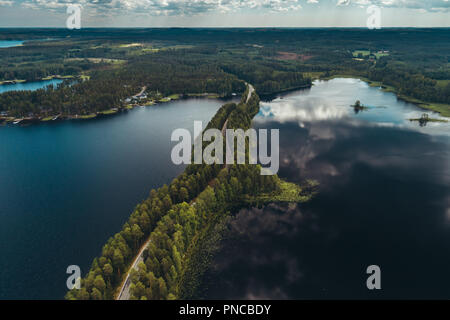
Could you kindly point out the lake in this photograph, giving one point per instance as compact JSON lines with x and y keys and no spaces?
{"x":384,"y":199}
{"x":10,"y":43}
{"x":66,"y":187}
{"x":21,"y":86}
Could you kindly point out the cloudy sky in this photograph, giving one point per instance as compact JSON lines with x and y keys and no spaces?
{"x":226,"y":13}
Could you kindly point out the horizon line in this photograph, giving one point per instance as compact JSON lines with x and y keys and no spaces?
{"x":199,"y":27}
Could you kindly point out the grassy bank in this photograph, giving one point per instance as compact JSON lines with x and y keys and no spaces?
{"x":12,"y":81}
{"x":286,"y":192}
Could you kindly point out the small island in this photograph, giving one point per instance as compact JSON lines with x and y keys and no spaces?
{"x":358,"y":106}
{"x":425,"y":118}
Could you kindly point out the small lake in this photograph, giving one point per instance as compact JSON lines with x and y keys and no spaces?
{"x":10,"y":43}
{"x":384,"y":200}
{"x":66,"y":187}
{"x":35,"y":85}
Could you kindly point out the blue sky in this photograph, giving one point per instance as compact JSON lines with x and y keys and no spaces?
{"x":226,"y":13}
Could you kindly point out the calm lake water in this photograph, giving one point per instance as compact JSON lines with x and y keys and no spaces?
{"x":29,"y":85}
{"x":384,"y":200}
{"x":10,"y":43}
{"x":66,"y":187}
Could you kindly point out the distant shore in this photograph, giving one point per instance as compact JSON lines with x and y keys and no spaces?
{"x":109,"y":112}
{"x":16,"y":81}
{"x":441,"y":108}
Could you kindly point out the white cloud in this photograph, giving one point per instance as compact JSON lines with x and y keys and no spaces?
{"x":5,"y":3}
{"x":429,"y":5}
{"x":170,"y":7}
{"x":193,"y":7}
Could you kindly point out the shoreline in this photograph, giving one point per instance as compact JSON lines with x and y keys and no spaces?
{"x":272,"y":96}
{"x":58,"y":77}
{"x":440,"y":108}
{"x":8,"y":120}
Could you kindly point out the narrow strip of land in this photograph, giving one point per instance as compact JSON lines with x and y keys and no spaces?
{"x":124,"y":293}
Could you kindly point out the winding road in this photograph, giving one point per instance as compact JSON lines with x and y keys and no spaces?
{"x":250,"y":91}
{"x":124,"y":293}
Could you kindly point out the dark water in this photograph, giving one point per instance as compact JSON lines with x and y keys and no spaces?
{"x":65,"y":188}
{"x":29,"y":85}
{"x":384,"y":200}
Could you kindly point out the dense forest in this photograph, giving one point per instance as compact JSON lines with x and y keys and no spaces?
{"x":109,"y":88}
{"x":413,"y":84}
{"x":119,"y":62}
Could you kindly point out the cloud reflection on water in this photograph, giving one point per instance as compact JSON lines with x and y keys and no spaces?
{"x":383,"y":199}
{"x":332,"y":100}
